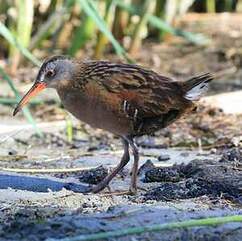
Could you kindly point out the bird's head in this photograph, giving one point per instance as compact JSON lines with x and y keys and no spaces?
{"x":54,"y":72}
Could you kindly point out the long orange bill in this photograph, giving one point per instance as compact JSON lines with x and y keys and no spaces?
{"x":34,"y":90}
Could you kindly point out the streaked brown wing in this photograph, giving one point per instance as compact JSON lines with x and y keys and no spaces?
{"x":142,"y":93}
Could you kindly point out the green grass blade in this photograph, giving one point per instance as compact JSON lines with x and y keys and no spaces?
{"x":213,"y":221}
{"x":25,"y":20}
{"x":81,"y":35}
{"x":69,"y":129}
{"x":25,"y":10}
{"x":26,"y":111}
{"x":211,"y":6}
{"x":198,"y":39}
{"x":90,"y":9}
{"x":4,"y":31}
{"x":12,"y":101}
{"x":136,"y":37}
{"x":101,"y":38}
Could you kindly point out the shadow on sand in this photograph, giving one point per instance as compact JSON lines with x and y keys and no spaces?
{"x":37,"y":184}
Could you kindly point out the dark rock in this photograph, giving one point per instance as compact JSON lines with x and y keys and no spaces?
{"x":98,"y":147}
{"x":163,"y":158}
{"x":198,"y":178}
{"x":165,"y":174}
{"x":184,"y":154}
{"x":12,"y":152}
{"x":170,"y":174}
{"x":93,"y":176}
{"x":232,"y":155}
{"x":150,"y":142}
{"x":147,"y":166}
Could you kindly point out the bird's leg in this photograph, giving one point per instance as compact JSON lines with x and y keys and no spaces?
{"x":133,"y":185}
{"x":108,"y":178}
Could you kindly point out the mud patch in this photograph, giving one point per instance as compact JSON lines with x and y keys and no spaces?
{"x":209,"y":177}
{"x":122,"y":217}
{"x":91,"y":176}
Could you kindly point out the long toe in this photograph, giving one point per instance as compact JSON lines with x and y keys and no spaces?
{"x":78,"y":187}
{"x":98,"y":188}
{"x":132,"y":190}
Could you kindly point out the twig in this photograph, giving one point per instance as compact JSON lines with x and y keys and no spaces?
{"x":154,"y":228}
{"x":47,"y":170}
{"x":5,"y":138}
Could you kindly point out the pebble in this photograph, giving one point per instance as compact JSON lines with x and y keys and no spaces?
{"x":163,"y":158}
{"x":12,"y":152}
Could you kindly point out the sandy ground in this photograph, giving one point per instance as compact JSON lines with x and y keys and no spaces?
{"x":38,"y":206}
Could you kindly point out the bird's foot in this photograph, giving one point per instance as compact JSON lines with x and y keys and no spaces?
{"x":85,"y":189}
{"x":132,"y":190}
{"x":79,"y":188}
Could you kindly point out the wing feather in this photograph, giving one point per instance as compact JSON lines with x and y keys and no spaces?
{"x":147,"y":92}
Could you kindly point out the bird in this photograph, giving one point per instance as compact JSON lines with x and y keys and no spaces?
{"x":125,"y":99}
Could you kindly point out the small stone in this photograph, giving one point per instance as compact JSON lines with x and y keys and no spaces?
{"x":213,"y":151}
{"x":93,"y":176}
{"x":184,"y":154}
{"x":163,"y":157}
{"x":12,"y":152}
{"x":164,"y":174}
{"x":232,"y":155}
{"x":147,"y":166}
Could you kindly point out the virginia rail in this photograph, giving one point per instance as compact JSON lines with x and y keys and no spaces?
{"x":125,"y":99}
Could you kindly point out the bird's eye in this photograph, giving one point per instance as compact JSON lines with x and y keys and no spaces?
{"x":50,"y":73}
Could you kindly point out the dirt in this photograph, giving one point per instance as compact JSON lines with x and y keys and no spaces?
{"x":91,"y":176}
{"x":188,"y":185}
{"x":120,"y":217}
{"x":197,"y":179}
{"x":189,"y":170}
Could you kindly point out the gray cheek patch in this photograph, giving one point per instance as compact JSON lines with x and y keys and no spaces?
{"x":48,"y":67}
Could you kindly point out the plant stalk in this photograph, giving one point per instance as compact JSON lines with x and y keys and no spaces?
{"x":137,"y":38}
{"x":25,"y":10}
{"x":214,"y":221}
{"x":102,"y":39}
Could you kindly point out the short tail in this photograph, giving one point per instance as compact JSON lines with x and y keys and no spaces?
{"x":195,"y":87}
